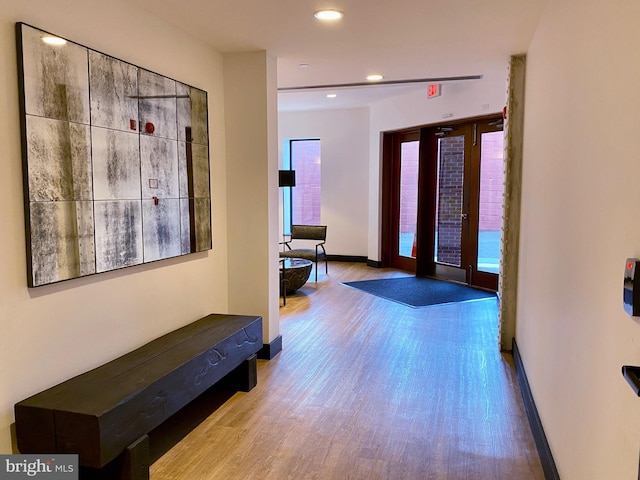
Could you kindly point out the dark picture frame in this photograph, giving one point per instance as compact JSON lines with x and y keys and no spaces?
{"x":116,"y":164}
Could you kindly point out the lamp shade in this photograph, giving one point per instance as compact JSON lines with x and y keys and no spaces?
{"x":286,"y":178}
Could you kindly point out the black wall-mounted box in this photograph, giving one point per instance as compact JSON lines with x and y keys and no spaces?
{"x":631,"y":291}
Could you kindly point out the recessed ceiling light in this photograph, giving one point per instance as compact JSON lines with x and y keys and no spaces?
{"x":331,"y":95}
{"x":51,"y":40}
{"x":304,"y":65}
{"x":328,"y":14}
{"x":375,"y":78}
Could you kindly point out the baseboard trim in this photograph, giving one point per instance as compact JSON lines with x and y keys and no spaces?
{"x":374,"y":263}
{"x":270,"y":350}
{"x":346,"y":258}
{"x":544,"y":451}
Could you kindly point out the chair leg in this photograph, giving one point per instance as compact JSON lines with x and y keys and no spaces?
{"x":284,"y":294}
{"x":283,"y":285}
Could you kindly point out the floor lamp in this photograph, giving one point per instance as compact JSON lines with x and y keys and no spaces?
{"x":286,"y":178}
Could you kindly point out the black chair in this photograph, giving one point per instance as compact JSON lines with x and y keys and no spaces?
{"x":283,"y":282}
{"x":308,"y":233}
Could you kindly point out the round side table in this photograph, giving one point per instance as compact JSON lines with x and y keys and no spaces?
{"x":296,"y":273}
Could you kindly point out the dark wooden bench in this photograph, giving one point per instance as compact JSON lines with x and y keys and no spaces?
{"x":106,"y":413}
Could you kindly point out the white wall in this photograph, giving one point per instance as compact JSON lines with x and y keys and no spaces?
{"x":51,"y":333}
{"x":344,"y":153}
{"x":579,"y":224}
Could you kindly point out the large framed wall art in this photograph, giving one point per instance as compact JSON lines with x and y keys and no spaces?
{"x":115,"y":161}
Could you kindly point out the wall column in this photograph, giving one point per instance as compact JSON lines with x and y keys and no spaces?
{"x":508,"y":285}
{"x":251,"y":126}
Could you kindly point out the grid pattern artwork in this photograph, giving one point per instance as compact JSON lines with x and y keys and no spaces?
{"x":116,"y":161}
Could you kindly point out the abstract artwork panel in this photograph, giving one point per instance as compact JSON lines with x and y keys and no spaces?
{"x":186,"y":243}
{"x":115,"y":161}
{"x":116,"y":164}
{"x":161,"y":226}
{"x":183,"y":112}
{"x":157,"y":105}
{"x":195,"y":225}
{"x":59,"y":160}
{"x":61,"y":241}
{"x":203,"y":224}
{"x":118,"y":234}
{"x":159,"y":167}
{"x":192,"y":114}
{"x":114,"y":93}
{"x":193,"y":163}
{"x":56,"y":80}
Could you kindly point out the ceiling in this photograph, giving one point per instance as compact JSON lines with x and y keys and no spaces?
{"x":402,"y":40}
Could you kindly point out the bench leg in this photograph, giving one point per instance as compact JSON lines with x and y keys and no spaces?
{"x":132,"y":464}
{"x":245,"y":375}
{"x":137,"y":460}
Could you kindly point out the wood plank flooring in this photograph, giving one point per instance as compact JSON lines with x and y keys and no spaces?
{"x":366,"y":389}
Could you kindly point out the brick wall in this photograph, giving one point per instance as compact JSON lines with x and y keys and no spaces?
{"x":409,"y":186}
{"x":491,"y":181}
{"x":305,"y":160}
{"x":450,"y":191}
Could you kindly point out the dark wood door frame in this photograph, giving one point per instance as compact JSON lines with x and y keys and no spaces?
{"x":427,"y":183}
{"x":391,"y":199}
{"x":427,"y":186}
{"x":386,"y":200}
{"x":481,"y":278}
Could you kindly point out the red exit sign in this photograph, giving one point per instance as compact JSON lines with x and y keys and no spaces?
{"x":433,"y":90}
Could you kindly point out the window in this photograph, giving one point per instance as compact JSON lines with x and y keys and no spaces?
{"x":303,"y":207}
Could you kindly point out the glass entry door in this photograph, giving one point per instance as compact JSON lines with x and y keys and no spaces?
{"x":468,"y":202}
{"x":490,"y":204}
{"x":408,"y":199}
{"x":451,"y":204}
{"x":442,"y":189}
{"x":405,"y":200}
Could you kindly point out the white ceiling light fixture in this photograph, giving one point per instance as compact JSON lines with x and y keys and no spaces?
{"x":52,"y":40}
{"x":328,"y":14}
{"x":331,"y":95}
{"x":375,"y":78}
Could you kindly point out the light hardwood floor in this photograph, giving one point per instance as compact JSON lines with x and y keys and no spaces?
{"x":366,"y":389}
